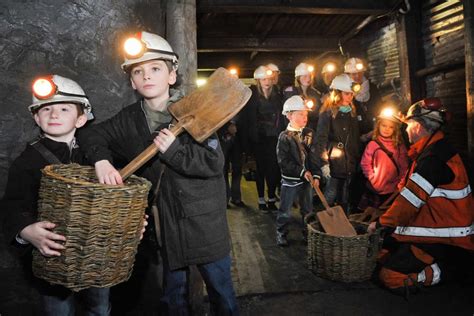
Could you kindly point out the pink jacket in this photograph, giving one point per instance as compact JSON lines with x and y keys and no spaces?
{"x":379,"y":169}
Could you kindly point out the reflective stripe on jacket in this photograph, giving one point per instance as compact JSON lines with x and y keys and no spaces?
{"x":435,"y":205}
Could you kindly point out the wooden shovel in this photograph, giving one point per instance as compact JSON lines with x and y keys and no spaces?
{"x":201,"y":113}
{"x":333,"y":220}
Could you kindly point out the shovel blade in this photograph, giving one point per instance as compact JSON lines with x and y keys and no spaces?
{"x":334,"y":222}
{"x":212,"y":105}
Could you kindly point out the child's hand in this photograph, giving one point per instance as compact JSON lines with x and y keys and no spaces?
{"x":106,"y":173}
{"x":308,"y":176}
{"x":145,"y":224}
{"x":40,"y":235}
{"x":164,"y":140}
{"x":316,"y":183}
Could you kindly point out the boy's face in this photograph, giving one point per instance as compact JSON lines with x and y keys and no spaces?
{"x":298,"y":119}
{"x":59,"y":121}
{"x":152,"y":79}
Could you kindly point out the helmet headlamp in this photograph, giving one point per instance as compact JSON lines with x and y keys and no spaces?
{"x":44,"y":88}
{"x":356,"y":87}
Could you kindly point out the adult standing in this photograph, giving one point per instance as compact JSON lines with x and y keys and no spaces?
{"x":262,"y":123}
{"x":337,"y":139}
{"x":367,"y":98}
{"x":304,"y":80}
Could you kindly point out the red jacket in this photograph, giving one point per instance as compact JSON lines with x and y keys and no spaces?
{"x":435,"y":204}
{"x":379,"y":169}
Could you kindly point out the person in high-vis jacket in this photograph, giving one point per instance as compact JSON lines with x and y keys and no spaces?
{"x":433,"y":215}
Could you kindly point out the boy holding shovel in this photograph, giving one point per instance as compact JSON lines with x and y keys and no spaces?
{"x":191,"y":198}
{"x":297,"y":160}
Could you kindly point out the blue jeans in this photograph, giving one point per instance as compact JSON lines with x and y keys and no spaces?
{"x":337,"y":191}
{"x":93,"y":302}
{"x":287,"y":196}
{"x":218,"y":280}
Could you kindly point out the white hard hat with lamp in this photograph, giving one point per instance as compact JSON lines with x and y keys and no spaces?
{"x":273,"y":68}
{"x":296,"y":103}
{"x":145,"y":46}
{"x":344,"y":83}
{"x":262,"y":72}
{"x":388,"y":113}
{"x":354,"y":65}
{"x":56,"y":89}
{"x":303,"y":69}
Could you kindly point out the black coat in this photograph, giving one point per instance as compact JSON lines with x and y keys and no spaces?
{"x":296,"y":156}
{"x":261,"y":118}
{"x":21,"y":194}
{"x":192,"y":196}
{"x":338,"y":143}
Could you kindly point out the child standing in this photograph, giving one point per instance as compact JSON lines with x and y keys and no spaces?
{"x":59,"y":107}
{"x":191,"y":198}
{"x":384,"y":162}
{"x":297,"y":161}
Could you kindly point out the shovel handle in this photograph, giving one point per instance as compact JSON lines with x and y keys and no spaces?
{"x":321,"y":196}
{"x":146,"y":155}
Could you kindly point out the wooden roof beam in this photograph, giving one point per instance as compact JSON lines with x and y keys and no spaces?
{"x":360,"y":7}
{"x":309,"y":44}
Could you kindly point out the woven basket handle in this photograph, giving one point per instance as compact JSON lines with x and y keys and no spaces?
{"x":147,"y":154}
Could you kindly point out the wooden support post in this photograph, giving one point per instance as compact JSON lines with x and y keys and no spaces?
{"x":181,"y":34}
{"x":469,"y":55}
{"x":410,"y":52}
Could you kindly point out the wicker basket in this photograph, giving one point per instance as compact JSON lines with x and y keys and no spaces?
{"x":345,"y":259}
{"x":102,"y":225}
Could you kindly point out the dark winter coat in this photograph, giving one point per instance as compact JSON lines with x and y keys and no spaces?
{"x":21,"y":194}
{"x":192,"y":196}
{"x":297,"y":154}
{"x":261,"y":118}
{"x":337,"y":139}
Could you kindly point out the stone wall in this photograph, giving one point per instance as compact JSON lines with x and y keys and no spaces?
{"x":78,"y":39}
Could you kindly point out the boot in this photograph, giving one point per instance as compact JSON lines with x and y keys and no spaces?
{"x":272,"y":206}
{"x":281,"y":239}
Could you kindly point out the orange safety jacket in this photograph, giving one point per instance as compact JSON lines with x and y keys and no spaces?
{"x":435,"y":204}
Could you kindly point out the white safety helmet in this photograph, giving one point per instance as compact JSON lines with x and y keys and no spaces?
{"x":56,"y":89}
{"x":262,"y":72}
{"x":344,"y":83}
{"x":273,"y":68}
{"x":296,"y":103}
{"x":303,"y":69}
{"x":354,"y":65}
{"x":329,"y":67}
{"x":145,"y":46}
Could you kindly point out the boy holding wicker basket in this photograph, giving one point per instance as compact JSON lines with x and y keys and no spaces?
{"x":59,"y":107}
